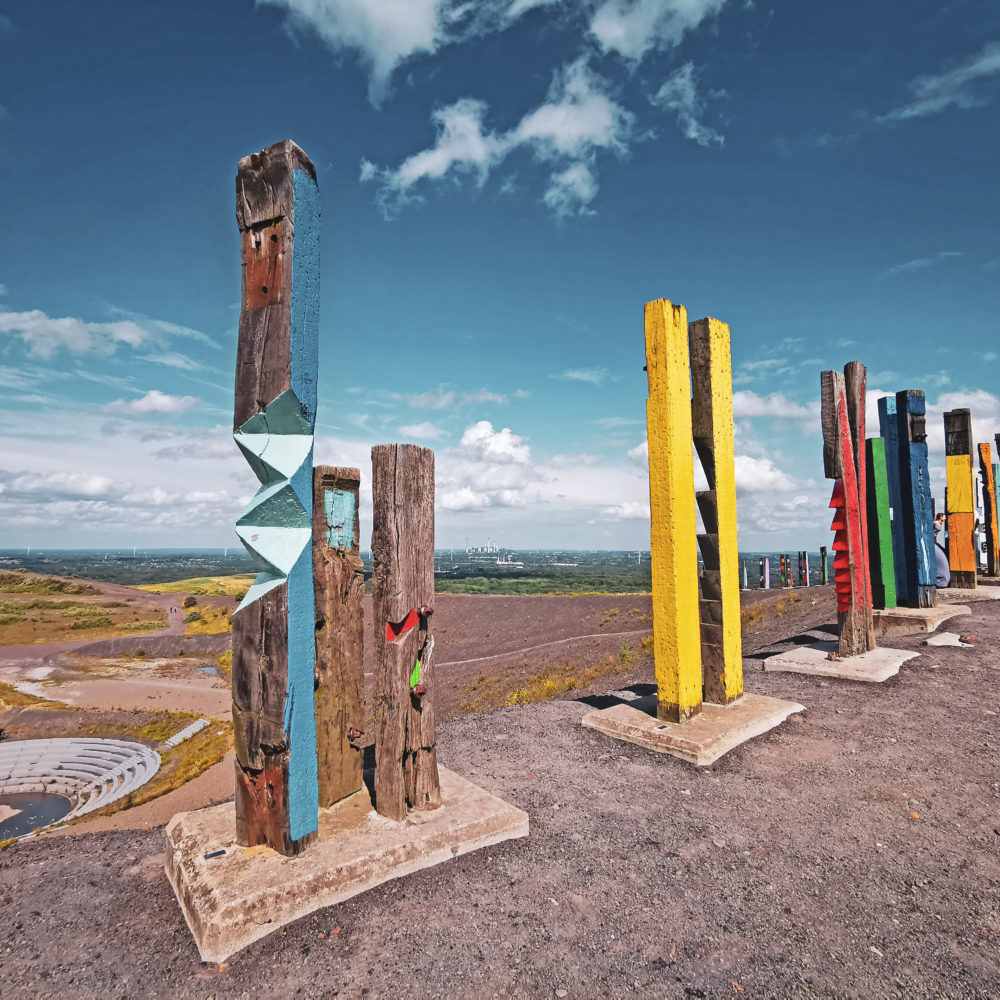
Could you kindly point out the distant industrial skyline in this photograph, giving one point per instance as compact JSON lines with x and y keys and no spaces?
{"x":504,"y":186}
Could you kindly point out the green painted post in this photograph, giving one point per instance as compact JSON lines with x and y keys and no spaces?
{"x":880,"y":559}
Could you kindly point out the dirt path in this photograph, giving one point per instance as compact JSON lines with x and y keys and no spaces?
{"x":854,"y":852}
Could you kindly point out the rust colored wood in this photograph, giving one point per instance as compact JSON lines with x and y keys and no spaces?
{"x":402,"y":582}
{"x":265,"y":797}
{"x":963,"y":557}
{"x":339,"y":581}
{"x":850,"y":564}
{"x":855,"y":384}
{"x":989,"y":508}
{"x":265,"y":214}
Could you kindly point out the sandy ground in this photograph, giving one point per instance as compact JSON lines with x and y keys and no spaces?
{"x":853,"y":852}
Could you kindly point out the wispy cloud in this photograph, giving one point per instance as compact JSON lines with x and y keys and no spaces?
{"x":963,"y":86}
{"x":612,"y":422}
{"x":3,"y":291}
{"x":920,"y":263}
{"x":632,"y":28}
{"x":153,"y":401}
{"x":679,"y":94}
{"x":593,"y":375}
{"x":578,"y":119}
{"x":424,"y":430}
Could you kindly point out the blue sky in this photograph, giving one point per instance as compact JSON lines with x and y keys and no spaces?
{"x":504,"y":185}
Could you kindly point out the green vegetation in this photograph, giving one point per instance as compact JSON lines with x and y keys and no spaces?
{"x":15,"y":583}
{"x":207,"y":586}
{"x":10,"y":697}
{"x":192,"y":616}
{"x":226,"y":665}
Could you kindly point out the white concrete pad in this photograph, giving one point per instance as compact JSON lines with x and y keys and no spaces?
{"x":983,"y":592}
{"x":905,"y":621}
{"x":876,"y":665}
{"x":701,"y":740}
{"x":947,"y":639}
{"x":231,"y":896}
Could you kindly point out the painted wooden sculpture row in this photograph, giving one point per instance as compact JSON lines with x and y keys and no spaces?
{"x":697,"y":650}
{"x":298,"y":708}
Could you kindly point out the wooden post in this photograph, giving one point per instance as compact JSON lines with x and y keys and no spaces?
{"x":340,"y":585}
{"x":903,"y":559}
{"x":855,"y":384}
{"x":960,"y":499}
{"x":406,"y":774}
{"x":277,"y":210}
{"x":914,"y":522}
{"x":857,"y":633}
{"x":767,"y":572}
{"x":674,"y":555}
{"x":880,"y":562}
{"x":712,"y":428}
{"x":986,"y":468}
{"x":824,"y":572}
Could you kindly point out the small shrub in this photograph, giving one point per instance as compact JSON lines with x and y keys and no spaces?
{"x":192,"y":616}
{"x":189,"y":602}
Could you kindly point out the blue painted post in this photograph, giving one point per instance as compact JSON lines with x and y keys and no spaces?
{"x":901,"y":556}
{"x":277,"y":210}
{"x":917,"y":517}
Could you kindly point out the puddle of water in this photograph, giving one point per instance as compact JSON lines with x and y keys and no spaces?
{"x":208,"y":670}
{"x":34,"y":810}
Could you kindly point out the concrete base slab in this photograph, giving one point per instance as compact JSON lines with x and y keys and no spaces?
{"x":906,"y":621}
{"x":876,"y":665}
{"x":231,"y":896}
{"x":701,"y":740}
{"x":947,"y":639}
{"x":980,"y":593}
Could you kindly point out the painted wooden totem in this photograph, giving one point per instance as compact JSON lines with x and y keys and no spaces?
{"x":277,"y":210}
{"x":881,"y":564}
{"x":843,"y":418}
{"x":988,"y":475}
{"x":406,"y":772}
{"x":960,"y":499}
{"x":902,"y":420}
{"x":696,"y":649}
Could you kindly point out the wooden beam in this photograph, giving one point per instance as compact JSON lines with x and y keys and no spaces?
{"x":857,"y":633}
{"x":880,"y":562}
{"x":674,"y":553}
{"x":916,"y":513}
{"x":406,"y":775}
{"x":960,"y":499}
{"x":855,"y":385}
{"x":712,"y":428}
{"x":903,"y":560}
{"x":340,"y":585}
{"x":989,"y":508}
{"x":277,"y":210}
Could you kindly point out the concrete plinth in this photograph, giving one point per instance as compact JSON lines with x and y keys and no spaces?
{"x":906,"y":621}
{"x":246,"y":893}
{"x":948,"y":639}
{"x":702,"y":740}
{"x":876,"y":665}
{"x":979,"y":593}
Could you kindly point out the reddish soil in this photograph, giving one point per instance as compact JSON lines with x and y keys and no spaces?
{"x":853,"y":852}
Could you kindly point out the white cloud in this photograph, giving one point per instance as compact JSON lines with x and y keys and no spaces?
{"x":422,"y":430}
{"x":985,"y":407}
{"x":679,"y":93}
{"x":62,"y":484}
{"x":756,"y":475}
{"x":612,"y":422}
{"x":384,"y":33}
{"x":747,"y":403}
{"x":484,"y":396}
{"x":435,"y":399}
{"x":577,"y":120}
{"x":173,"y":359}
{"x":3,"y":291}
{"x":593,"y":375}
{"x":628,"y":510}
{"x":45,"y":335}
{"x":153,"y":401}
{"x":639,"y":455}
{"x":960,"y":87}
{"x":481,"y":441}
{"x":631,"y":28}
{"x":920,"y":263}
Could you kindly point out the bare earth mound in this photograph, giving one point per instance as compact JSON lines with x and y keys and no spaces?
{"x":853,"y":852}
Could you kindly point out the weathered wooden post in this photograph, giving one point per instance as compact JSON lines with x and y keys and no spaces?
{"x":880,"y":555}
{"x":824,"y":573}
{"x":850,"y":563}
{"x":903,"y":423}
{"x":712,"y":428}
{"x":986,"y":468}
{"x":960,"y":499}
{"x":340,"y":585}
{"x":766,"y":561}
{"x":406,"y":772}
{"x":277,"y":210}
{"x":674,"y":554}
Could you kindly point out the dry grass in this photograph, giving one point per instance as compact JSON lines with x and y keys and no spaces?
{"x":207,"y":619}
{"x":10,"y":697}
{"x":207,"y":586}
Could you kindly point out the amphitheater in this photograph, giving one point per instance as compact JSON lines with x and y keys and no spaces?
{"x":89,"y":772}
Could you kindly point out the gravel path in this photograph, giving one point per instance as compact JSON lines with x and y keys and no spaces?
{"x":853,"y":852}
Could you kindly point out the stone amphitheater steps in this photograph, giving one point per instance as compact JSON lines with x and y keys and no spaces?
{"x":91,"y":773}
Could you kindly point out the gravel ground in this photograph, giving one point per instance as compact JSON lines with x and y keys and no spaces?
{"x":853,"y":852}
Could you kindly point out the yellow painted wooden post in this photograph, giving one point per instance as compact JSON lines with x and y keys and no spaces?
{"x":674,"y":554}
{"x":712,"y":426}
